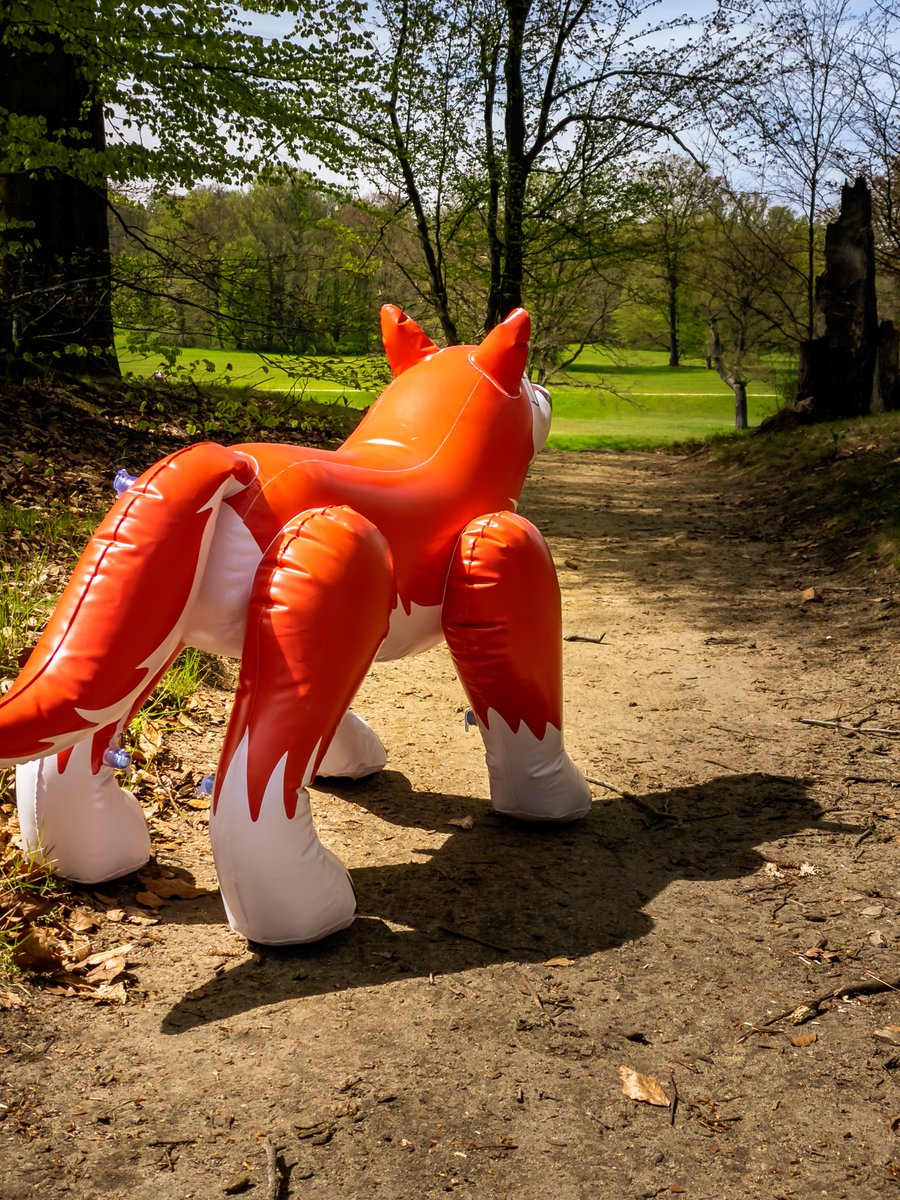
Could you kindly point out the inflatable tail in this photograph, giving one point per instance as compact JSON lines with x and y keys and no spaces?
{"x":118,"y":623}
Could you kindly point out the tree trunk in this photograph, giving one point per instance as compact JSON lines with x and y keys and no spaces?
{"x":507,"y":294}
{"x":674,"y":349}
{"x":55,"y":284}
{"x":843,"y":370}
{"x":739,"y":387}
{"x":733,"y":378}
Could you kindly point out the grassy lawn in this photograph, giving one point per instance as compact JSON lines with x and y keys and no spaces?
{"x":609,"y":399}
{"x":613,"y":399}
{"x":242,"y":368}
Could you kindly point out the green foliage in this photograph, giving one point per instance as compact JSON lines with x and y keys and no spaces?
{"x":283,"y":266}
{"x":186,"y":88}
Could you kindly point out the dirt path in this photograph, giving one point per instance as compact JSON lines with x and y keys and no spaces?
{"x":467,"y":1033}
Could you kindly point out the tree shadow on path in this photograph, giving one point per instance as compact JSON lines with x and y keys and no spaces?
{"x":504,"y":891}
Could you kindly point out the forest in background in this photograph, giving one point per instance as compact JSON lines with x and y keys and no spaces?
{"x":633,"y":175}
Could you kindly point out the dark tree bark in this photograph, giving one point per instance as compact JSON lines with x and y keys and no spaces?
{"x":850,"y":367}
{"x":54,"y":243}
{"x":506,"y":291}
{"x":672,"y":288}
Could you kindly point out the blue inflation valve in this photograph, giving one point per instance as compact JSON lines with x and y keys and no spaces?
{"x":470,"y":720}
{"x":123,"y":481}
{"x":206,"y":786}
{"x":119,"y":759}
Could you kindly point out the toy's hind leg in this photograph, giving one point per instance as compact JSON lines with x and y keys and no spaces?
{"x":355,"y":751}
{"x":319,"y":611}
{"x":502,"y":622}
{"x":78,"y":821}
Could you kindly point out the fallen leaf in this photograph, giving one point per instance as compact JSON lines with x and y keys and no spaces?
{"x":134,"y":916}
{"x":11,"y":1000}
{"x":115,"y":915}
{"x":643,"y":1088}
{"x":810,"y":596}
{"x":41,"y":950}
{"x":174,"y":888}
{"x":467,"y":822}
{"x":889,"y":1033}
{"x":82,"y":921}
{"x":803,"y":1039}
{"x":559,"y":961}
{"x":107,"y":971}
{"x":103,"y":956}
{"x":110,"y":993}
{"x":150,"y":900}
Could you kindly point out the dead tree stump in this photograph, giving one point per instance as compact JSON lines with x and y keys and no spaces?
{"x":849,"y":368}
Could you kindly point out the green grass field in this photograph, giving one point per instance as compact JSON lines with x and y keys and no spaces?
{"x":614,"y":399}
{"x":609,"y":399}
{"x":241,"y":368}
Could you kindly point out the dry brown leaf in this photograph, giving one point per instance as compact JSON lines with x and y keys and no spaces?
{"x":889,"y":1033}
{"x":466,"y":822}
{"x":150,"y":900}
{"x":110,"y":993}
{"x":559,"y":961}
{"x":176,"y":888}
{"x":803,"y":1039}
{"x":41,"y":950}
{"x":11,"y":1000}
{"x":134,"y":916}
{"x":643,"y":1088}
{"x":82,"y":920}
{"x":107,"y":971}
{"x":115,"y":915}
{"x":103,"y":956}
{"x":78,"y":952}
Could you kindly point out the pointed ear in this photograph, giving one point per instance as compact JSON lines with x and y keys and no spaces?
{"x":504,"y":352}
{"x":405,"y":344}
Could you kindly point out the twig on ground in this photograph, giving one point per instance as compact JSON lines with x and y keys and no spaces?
{"x":470,"y":937}
{"x":273,"y":1172}
{"x":584,"y":637}
{"x":866,"y":833}
{"x":674,"y":1101}
{"x":610,"y":787}
{"x":843,"y":727}
{"x":861,"y":987}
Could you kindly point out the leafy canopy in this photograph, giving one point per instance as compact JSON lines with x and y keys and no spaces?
{"x":188,"y":92}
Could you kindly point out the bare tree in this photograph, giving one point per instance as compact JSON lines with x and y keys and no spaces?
{"x":527,"y":113}
{"x":798,"y":117}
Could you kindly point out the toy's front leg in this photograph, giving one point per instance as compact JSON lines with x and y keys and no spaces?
{"x":502,"y":622}
{"x":320,"y":607}
{"x":75,"y":817}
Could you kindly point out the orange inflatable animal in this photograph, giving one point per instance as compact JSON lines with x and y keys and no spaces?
{"x":307,"y":565}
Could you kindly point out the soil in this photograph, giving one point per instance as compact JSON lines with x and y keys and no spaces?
{"x":724,"y":922}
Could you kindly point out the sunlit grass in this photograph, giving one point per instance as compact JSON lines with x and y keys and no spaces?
{"x":241,"y":368}
{"x":609,"y":399}
{"x":631,"y":400}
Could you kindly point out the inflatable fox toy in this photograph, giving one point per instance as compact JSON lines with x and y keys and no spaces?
{"x":307,"y":565}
